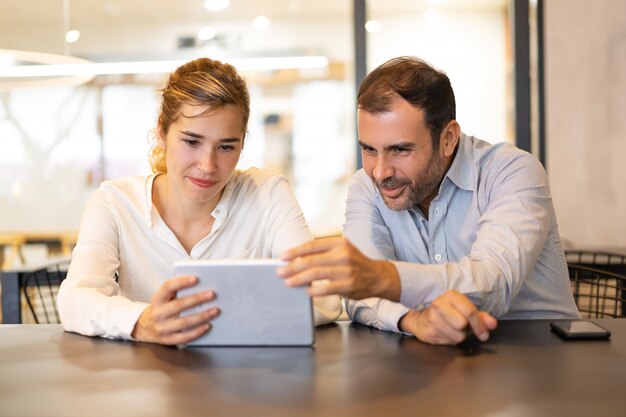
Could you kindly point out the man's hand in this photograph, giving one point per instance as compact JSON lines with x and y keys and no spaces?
{"x":161,"y":321}
{"x":445,"y":321}
{"x":348,"y":271}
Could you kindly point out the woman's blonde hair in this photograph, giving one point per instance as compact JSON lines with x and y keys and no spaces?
{"x":201,"y":82}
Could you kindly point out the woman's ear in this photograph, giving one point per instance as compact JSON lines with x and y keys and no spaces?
{"x":160,"y":136}
{"x":449,"y":138}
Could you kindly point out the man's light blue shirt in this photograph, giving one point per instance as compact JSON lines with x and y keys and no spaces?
{"x":491,"y":234}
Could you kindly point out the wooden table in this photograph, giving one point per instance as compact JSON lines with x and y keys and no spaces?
{"x":524,"y":370}
{"x":58,"y":243}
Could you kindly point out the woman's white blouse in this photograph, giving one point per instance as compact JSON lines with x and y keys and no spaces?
{"x":121,"y":231}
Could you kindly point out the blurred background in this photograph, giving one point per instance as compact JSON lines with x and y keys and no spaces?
{"x":62,"y":132}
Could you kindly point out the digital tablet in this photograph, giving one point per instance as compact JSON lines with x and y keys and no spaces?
{"x":256,"y":307}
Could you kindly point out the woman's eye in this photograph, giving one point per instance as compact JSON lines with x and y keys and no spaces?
{"x":227,"y":148}
{"x":191,"y":142}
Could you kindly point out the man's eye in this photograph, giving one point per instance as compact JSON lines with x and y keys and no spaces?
{"x":367,"y":149}
{"x":401,"y":150}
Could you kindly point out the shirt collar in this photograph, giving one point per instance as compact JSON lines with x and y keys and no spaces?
{"x":219,"y":212}
{"x":149,"y":206}
{"x":462,"y":172}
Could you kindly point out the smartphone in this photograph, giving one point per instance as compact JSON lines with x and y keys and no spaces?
{"x":579,"y":329}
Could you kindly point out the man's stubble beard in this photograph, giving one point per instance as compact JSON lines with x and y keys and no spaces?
{"x":418,"y":189}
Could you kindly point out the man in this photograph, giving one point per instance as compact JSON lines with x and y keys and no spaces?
{"x":435,"y":219}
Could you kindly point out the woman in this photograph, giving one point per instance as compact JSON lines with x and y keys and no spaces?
{"x":194,"y":206}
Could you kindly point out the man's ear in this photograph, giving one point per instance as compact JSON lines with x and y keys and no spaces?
{"x":449,"y":138}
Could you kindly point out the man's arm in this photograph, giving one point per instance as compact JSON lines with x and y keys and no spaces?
{"x":512,"y":230}
{"x":511,"y":233}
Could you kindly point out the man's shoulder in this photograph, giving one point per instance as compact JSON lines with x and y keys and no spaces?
{"x":361,"y":179}
{"x":361,"y":185}
{"x":502,"y":156}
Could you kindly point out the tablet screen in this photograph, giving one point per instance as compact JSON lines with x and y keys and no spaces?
{"x":256,"y":307}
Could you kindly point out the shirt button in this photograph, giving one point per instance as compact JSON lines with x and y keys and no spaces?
{"x":437,"y":257}
{"x":217,"y":211}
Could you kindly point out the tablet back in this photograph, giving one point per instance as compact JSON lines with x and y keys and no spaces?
{"x":256,"y":307}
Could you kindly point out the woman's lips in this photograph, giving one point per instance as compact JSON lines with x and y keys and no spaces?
{"x":202,"y":183}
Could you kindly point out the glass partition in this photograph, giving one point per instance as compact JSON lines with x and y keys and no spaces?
{"x":62,"y":134}
{"x":467,"y":39}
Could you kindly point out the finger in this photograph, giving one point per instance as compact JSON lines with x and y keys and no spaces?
{"x":187,"y":336}
{"x":316,"y":273}
{"x":182,"y":324}
{"x":450,"y":325}
{"x":311,"y":261}
{"x":311,"y":247}
{"x":169,"y":288}
{"x":489,"y":321}
{"x":343,"y":287}
{"x":468,"y":310}
{"x":178,"y":305}
{"x":434,"y":329}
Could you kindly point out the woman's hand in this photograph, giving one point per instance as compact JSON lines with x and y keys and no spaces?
{"x":161,"y":321}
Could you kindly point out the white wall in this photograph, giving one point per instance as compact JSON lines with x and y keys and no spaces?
{"x":585,"y":45}
{"x":470,"y":47}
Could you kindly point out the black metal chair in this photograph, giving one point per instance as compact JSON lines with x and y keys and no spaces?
{"x":40,"y":288}
{"x":598,"y":293}
{"x":595,"y":258}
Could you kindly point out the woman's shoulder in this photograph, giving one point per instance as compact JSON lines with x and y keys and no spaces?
{"x":258,"y":184}
{"x":259,"y":177}
{"x":135,"y":190}
{"x":127,"y":185}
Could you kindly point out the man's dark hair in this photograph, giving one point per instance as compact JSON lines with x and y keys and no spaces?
{"x":415,"y":81}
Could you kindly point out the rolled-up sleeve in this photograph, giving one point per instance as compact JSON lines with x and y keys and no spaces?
{"x":365,"y":228}
{"x":515,"y":218}
{"x":88,"y":300}
{"x":511,"y":233}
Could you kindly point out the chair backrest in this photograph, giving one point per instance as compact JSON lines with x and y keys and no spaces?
{"x":596,"y":258}
{"x":40,"y":288}
{"x":598,"y":293}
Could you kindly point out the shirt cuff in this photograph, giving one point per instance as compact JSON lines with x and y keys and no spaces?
{"x":377,"y":312}
{"x":127,"y":318}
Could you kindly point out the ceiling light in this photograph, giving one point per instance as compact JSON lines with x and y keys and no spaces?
{"x":72,"y":36}
{"x":432,"y":15}
{"x":156,"y":67}
{"x":207,"y":33}
{"x":373,"y":26}
{"x":261,"y":22}
{"x":216,"y":5}
{"x":11,"y":77}
{"x":7,"y":59}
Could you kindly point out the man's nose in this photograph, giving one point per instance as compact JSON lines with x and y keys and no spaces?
{"x":382,"y":168}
